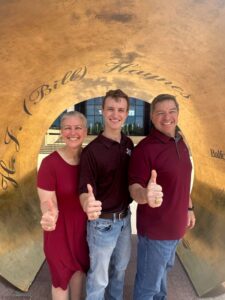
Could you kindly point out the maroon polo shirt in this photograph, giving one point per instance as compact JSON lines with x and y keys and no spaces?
{"x":170,"y":158}
{"x":104,"y":164}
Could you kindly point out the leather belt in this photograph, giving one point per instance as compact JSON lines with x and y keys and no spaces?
{"x":114,"y":216}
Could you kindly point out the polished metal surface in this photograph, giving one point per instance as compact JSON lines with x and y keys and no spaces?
{"x":57,"y":53}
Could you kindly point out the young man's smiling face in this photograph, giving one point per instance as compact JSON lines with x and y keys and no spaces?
{"x":115,"y":112}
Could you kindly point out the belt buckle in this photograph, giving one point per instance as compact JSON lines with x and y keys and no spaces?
{"x":120,"y":214}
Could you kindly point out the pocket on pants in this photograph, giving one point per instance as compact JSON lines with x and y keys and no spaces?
{"x":101,"y":234}
{"x":103,"y":226}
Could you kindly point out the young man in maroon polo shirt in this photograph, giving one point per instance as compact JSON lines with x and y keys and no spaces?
{"x":104,"y":196}
{"x":159,"y":178}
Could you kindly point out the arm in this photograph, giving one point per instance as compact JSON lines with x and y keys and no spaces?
{"x":191,"y":214}
{"x":142,"y":189}
{"x":152,"y":194}
{"x":49,"y":209}
{"x":90,"y":205}
{"x":87,"y":184}
{"x":138,"y":193}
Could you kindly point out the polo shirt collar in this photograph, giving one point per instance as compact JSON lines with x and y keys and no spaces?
{"x":164,"y":138}
{"x":108,"y":142}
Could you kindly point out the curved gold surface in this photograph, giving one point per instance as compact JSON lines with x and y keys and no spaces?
{"x":57,"y":53}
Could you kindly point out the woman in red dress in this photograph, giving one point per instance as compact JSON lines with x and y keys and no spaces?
{"x":63,"y":220}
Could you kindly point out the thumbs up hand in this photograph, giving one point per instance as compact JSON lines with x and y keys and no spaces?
{"x":91,"y":206}
{"x":154,"y":191}
{"x":49,"y":217}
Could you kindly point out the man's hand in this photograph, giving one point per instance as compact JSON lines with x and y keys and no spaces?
{"x":50,"y":216}
{"x":154,"y":191}
{"x":91,"y":206}
{"x":191,"y":220}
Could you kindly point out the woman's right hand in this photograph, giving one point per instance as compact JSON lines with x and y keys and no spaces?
{"x":49,"y":218}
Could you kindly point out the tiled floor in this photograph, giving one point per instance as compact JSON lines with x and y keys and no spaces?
{"x":179,"y":286}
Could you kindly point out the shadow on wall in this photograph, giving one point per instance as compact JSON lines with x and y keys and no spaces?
{"x":21,"y":252}
{"x":202,"y":249}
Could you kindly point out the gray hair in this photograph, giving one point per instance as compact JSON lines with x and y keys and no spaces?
{"x":73,"y":114}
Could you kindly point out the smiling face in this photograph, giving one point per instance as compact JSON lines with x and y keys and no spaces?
{"x":73,"y":131}
{"x":115,"y":112}
{"x":165,"y":117}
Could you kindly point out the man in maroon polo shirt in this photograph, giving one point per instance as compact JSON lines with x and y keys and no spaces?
{"x":159,"y":178}
{"x":104,"y":176}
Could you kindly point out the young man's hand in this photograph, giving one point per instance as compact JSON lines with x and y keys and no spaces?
{"x":91,"y":206}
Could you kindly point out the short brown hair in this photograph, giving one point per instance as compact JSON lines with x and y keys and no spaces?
{"x":116,"y":94}
{"x":161,"y":98}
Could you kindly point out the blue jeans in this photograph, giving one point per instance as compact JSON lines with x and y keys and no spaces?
{"x":154,"y":259}
{"x":110,"y":247}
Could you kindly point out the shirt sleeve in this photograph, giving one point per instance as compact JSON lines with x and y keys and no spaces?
{"x":88,"y":171}
{"x":46,"y":178}
{"x":139,"y":167}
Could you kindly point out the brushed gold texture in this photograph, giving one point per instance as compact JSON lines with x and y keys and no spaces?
{"x":57,"y":53}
